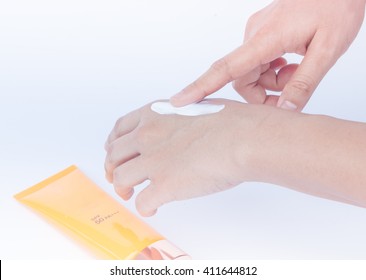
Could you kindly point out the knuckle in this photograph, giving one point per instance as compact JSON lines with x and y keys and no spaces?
{"x":222,"y":69}
{"x":119,"y":123}
{"x":327,"y":50}
{"x":240,"y":86}
{"x":253,"y":20}
{"x":116,"y":175}
{"x":236,"y":86}
{"x":110,"y":159}
{"x":245,"y":89}
{"x":142,"y":135}
{"x":220,"y":66}
{"x":120,"y":180}
{"x":107,"y":168}
{"x":303,"y":85}
{"x":107,"y":164}
{"x":146,"y":133}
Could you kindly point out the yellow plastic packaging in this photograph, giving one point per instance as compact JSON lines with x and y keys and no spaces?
{"x":73,"y":201}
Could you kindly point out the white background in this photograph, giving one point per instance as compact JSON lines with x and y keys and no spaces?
{"x":69,"y":69}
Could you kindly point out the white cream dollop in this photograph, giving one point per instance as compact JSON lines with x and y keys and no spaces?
{"x":196,"y":109}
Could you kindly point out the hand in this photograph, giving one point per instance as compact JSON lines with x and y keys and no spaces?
{"x":320,"y":30}
{"x":183,"y":157}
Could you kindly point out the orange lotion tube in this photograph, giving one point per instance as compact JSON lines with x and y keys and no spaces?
{"x":72,"y":200}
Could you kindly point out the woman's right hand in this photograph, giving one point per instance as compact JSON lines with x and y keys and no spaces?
{"x":320,"y":30}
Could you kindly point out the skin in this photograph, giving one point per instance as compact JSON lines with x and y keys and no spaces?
{"x":186,"y":157}
{"x":319,"y":30}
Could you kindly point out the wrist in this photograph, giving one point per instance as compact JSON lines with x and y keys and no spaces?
{"x":274,"y":137}
{"x":252,"y":130}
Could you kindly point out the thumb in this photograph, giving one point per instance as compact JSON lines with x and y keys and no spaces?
{"x":149,"y":200}
{"x":298,"y":90}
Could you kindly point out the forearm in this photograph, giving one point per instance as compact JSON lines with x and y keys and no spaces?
{"x":319,"y":155}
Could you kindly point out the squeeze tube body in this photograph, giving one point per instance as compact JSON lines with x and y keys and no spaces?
{"x":72,"y":200}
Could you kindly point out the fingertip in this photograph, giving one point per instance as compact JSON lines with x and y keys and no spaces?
{"x":149,"y":200}
{"x":295,"y":95}
{"x":184,"y":97}
{"x":128,"y":195}
{"x":144,"y":205}
{"x":278,"y":63}
{"x":125,"y":194}
{"x":108,"y":171}
{"x":177,"y":100}
{"x":145,"y":213}
{"x":144,"y":208}
{"x":108,"y":177}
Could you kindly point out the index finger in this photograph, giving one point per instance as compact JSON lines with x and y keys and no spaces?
{"x":256,"y":51}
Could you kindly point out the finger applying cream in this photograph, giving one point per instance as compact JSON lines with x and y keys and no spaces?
{"x":201,"y":108}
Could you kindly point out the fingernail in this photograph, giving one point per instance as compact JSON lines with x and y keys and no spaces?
{"x":287,"y":105}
